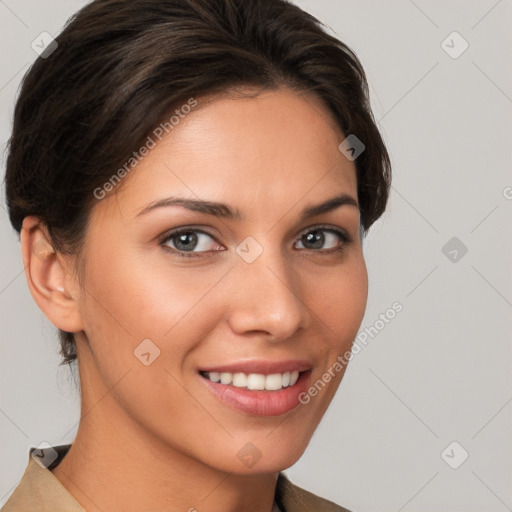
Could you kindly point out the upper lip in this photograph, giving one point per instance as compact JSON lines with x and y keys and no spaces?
{"x":261,"y":366}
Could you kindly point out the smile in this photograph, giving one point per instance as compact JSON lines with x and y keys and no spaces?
{"x":254,"y":381}
{"x":260,"y":388}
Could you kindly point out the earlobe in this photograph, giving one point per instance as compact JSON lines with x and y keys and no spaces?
{"x":49,"y":279}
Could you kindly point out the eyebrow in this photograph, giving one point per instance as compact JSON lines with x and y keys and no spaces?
{"x":224,"y":211}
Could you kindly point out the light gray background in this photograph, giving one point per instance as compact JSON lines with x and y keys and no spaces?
{"x":440,"y":370}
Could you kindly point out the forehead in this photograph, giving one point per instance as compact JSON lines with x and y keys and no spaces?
{"x":260,"y":152}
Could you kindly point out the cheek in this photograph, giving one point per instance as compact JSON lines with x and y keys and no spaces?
{"x":338,"y":300}
{"x":132,"y":298}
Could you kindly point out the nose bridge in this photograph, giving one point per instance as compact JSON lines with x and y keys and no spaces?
{"x":268,"y":298}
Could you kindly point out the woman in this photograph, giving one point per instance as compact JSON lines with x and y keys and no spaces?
{"x":192,"y":181}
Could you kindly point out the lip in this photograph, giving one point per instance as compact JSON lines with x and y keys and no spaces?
{"x":260,"y":403}
{"x":264,"y":367}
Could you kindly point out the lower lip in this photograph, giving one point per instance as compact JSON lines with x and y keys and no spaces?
{"x":260,"y":403}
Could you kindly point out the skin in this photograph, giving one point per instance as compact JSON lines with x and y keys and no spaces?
{"x":147,"y":432}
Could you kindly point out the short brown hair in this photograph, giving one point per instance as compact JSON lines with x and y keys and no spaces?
{"x":121,"y":65}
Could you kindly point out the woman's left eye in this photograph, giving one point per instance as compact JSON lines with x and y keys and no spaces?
{"x":194,"y":242}
{"x":316,"y":238}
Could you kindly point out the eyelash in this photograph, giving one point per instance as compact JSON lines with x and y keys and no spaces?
{"x":344,"y":237}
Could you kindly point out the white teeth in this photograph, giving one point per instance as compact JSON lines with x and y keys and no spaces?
{"x":240,"y":380}
{"x":273,"y":382}
{"x":255,"y":381}
{"x":226,"y":378}
{"x":215,"y":376}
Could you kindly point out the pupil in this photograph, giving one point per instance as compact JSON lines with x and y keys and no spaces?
{"x":315,"y":238}
{"x":182,"y":240}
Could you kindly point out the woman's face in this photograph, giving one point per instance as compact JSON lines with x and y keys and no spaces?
{"x":273,"y":291}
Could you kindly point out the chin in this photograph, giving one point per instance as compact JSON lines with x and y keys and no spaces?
{"x":263,"y":455}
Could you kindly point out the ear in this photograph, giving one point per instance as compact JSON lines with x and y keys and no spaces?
{"x":49,"y":277}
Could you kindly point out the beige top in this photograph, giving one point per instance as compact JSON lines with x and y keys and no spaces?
{"x":40,"y":491}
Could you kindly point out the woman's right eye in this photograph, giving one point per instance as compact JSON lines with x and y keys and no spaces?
{"x":182,"y":242}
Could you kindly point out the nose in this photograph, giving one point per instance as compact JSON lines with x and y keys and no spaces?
{"x":266,"y":298}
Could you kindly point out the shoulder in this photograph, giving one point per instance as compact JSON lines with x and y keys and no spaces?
{"x":39,"y":490}
{"x":294,"y":499}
